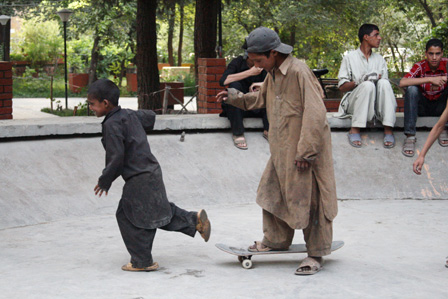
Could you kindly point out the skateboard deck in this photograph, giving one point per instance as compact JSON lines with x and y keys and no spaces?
{"x":245,"y":256}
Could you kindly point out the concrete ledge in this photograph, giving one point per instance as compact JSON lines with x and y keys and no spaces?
{"x":61,"y":126}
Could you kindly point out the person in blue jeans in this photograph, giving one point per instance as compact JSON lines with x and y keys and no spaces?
{"x":426,"y":93}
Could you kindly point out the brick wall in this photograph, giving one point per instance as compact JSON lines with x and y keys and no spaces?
{"x":210,"y":71}
{"x":5,"y":90}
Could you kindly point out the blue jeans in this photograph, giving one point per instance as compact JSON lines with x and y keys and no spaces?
{"x":416,"y":104}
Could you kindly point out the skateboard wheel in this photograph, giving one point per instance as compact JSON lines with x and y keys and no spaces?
{"x":247,"y":264}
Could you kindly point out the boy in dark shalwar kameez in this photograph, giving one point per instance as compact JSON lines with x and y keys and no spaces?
{"x":144,"y":206}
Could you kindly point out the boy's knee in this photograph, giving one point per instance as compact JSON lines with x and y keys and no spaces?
{"x":412,"y":91}
{"x":367,"y":86}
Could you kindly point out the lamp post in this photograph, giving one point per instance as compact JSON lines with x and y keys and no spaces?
{"x":4,"y":20}
{"x":64,"y":14}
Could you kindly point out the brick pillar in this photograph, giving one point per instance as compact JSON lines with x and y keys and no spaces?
{"x":210,"y":71}
{"x":5,"y":90}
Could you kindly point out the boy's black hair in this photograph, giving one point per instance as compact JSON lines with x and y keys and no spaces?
{"x":435,"y":42}
{"x":104,"y":89}
{"x":366,"y":29}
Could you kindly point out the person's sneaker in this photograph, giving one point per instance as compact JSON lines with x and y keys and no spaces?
{"x":203,"y":226}
{"x":129,"y":267}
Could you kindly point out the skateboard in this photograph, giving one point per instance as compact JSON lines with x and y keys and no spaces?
{"x":245,"y":256}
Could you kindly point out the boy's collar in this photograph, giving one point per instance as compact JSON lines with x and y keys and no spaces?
{"x":113,"y":111}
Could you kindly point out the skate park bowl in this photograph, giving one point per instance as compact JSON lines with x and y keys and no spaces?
{"x":53,"y":178}
{"x":59,"y":240}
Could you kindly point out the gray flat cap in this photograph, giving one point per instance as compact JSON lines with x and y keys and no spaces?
{"x":264,"y":39}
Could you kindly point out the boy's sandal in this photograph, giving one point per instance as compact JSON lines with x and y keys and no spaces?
{"x":389,"y":138}
{"x":443,"y":138}
{"x":355,"y":137}
{"x":258,"y":247}
{"x":238,"y":141}
{"x":129,"y":267}
{"x":409,"y":146}
{"x":309,"y":266}
{"x":204,"y":227}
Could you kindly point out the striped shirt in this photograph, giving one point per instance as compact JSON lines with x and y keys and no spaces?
{"x":421,"y":70}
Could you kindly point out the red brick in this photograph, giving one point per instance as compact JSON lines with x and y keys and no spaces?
{"x":214,"y":85}
{"x":202,"y":70}
{"x":6,"y":116}
{"x":8,"y":74}
{"x":1,"y":88}
{"x":212,"y":92}
{"x":5,"y":96}
{"x":215,"y":70}
{"x":7,"y":88}
{"x":5,"y":81}
{"x":2,"y":74}
{"x":7,"y":110}
{"x":5,"y":66}
{"x":6,"y":103}
{"x":208,"y":77}
{"x":213,"y":62}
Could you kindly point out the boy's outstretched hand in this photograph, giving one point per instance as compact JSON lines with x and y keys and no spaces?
{"x":222,"y":96}
{"x":99,"y":190}
{"x":418,"y":164}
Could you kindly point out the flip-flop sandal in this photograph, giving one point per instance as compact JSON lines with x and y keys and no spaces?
{"x":309,"y":266}
{"x":443,"y":137}
{"x":389,"y":138}
{"x":258,"y":247}
{"x":238,"y":141}
{"x":409,"y":145}
{"x":129,"y":267}
{"x":352,"y":138}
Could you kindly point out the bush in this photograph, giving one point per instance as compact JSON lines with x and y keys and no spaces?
{"x":40,"y":42}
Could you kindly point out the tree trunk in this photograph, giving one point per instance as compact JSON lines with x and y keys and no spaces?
{"x":428,"y":11}
{"x":181,"y":34}
{"x":292,"y":37}
{"x":171,"y":18}
{"x":94,"y":60}
{"x":205,"y":30}
{"x":147,"y":71}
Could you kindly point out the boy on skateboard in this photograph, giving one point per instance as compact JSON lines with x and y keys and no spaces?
{"x":297,"y":189}
{"x":144,"y":206}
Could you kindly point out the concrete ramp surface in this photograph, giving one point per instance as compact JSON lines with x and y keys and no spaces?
{"x":47,"y":180}
{"x":60,"y":241}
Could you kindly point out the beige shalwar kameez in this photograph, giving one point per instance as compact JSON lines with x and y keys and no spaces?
{"x":368,"y":99}
{"x":298,"y":130}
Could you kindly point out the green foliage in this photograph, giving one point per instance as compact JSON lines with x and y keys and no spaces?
{"x":40,"y":42}
{"x":78,"y":54}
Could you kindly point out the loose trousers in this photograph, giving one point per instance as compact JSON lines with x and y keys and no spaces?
{"x":368,"y":100}
{"x":139,"y":240}
{"x":318,"y":235}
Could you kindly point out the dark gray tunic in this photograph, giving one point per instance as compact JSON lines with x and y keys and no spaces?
{"x":128,"y":154}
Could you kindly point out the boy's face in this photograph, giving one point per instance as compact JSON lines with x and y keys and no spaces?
{"x":434,"y":55}
{"x":262,"y":61}
{"x":100,"y":108}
